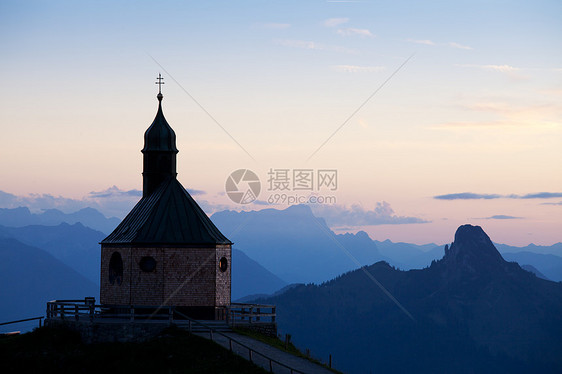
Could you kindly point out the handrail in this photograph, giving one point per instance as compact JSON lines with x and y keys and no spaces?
{"x":65,"y":308}
{"x":244,"y":314}
{"x":255,"y":305}
{"x":230,"y":340}
{"x":23,"y":320}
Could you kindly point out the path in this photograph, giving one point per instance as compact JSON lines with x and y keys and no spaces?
{"x":288,"y":359}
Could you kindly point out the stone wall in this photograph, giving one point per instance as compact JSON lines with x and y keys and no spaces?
{"x":223,"y":279}
{"x":96,"y":332}
{"x":182,"y":277}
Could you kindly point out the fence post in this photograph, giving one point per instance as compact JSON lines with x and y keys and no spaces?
{"x":76,"y":316}
{"x":274,"y":314}
{"x":132,"y":313}
{"x":330,"y":364}
{"x":250,"y":354}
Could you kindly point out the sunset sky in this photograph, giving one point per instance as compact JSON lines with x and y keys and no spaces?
{"x":434,"y":114}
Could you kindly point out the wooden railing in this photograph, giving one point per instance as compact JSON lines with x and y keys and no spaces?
{"x":238,"y":314}
{"x":84,"y":310}
{"x":23,"y":320}
{"x":231,"y":341}
{"x":245,"y":314}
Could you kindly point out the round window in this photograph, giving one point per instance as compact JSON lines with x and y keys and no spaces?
{"x":223,"y":264}
{"x":116,"y":268}
{"x":147,"y":264}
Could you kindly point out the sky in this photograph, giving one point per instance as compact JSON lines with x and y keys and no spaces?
{"x":432,"y":114}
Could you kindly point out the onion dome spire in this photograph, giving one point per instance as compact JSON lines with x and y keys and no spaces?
{"x":159,"y":152}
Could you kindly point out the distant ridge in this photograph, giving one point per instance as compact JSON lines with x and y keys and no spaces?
{"x":90,"y":217}
{"x":30,"y":277}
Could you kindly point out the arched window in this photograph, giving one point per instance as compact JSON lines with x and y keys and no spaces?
{"x":223,"y":264}
{"x":116,"y":268}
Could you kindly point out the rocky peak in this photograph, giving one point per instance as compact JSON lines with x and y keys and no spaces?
{"x":472,"y":251}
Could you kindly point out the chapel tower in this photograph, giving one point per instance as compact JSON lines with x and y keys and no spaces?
{"x":166,"y":251}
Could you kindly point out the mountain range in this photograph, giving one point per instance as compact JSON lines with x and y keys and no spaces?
{"x":30,"y":277}
{"x":469,"y":312}
{"x":294,"y":244}
{"x":22,"y":216}
{"x":76,"y":245}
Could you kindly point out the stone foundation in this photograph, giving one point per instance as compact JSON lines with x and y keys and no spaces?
{"x":110,"y":332}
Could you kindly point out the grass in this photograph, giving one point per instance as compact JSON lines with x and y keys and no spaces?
{"x":279,"y":344}
{"x":48,"y":350}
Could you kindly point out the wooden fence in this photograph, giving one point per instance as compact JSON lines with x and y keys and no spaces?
{"x":238,"y":314}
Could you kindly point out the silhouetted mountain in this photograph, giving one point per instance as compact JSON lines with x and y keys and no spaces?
{"x":30,"y":277}
{"x":75,"y":245}
{"x":256,"y":296}
{"x":547,"y":264}
{"x":294,"y":244}
{"x":249,"y":277}
{"x":472,"y":312}
{"x":90,"y":217}
{"x":535,"y":271}
{"x":555,"y":249}
{"x":408,"y":256}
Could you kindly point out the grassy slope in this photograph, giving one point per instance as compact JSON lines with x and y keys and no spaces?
{"x":59,"y":351}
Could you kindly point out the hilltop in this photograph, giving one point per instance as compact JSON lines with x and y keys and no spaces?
{"x":49,"y":350}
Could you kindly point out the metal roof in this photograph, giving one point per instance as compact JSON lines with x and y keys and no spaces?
{"x":169,"y":215}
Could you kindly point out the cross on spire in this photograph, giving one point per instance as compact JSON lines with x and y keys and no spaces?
{"x":159,"y":83}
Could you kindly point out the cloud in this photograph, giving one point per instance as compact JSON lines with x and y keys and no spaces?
{"x":466,"y":196}
{"x":474,"y":196}
{"x":305,"y":44}
{"x":502,"y":216}
{"x":275,"y":26}
{"x":113,"y":192}
{"x":333,"y":22}
{"x":558,"y":203}
{"x":356,"y":215}
{"x":511,"y":71}
{"x":541,"y":195}
{"x":424,"y":41}
{"x":432,"y":43}
{"x":459,"y":46}
{"x":39,"y":202}
{"x":353,"y":31}
{"x":358,"y":69}
{"x":195,"y":192}
{"x":505,"y":69}
{"x":112,"y":202}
